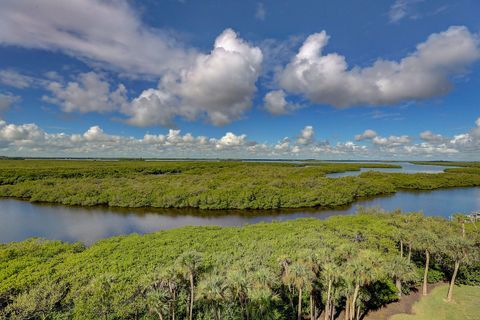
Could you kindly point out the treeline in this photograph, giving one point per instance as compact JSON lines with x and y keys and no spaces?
{"x":303,"y":269}
{"x":210,"y":185}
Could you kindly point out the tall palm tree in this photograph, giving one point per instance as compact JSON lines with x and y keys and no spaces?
{"x":190,"y":264}
{"x":427,"y":241}
{"x":362,"y":270}
{"x":459,"y":250}
{"x":331,"y":274}
{"x":400,"y":270}
{"x":409,"y":223}
{"x":301,"y":278}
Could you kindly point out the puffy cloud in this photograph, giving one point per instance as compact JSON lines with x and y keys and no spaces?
{"x":218,"y":86}
{"x":367,"y":134}
{"x":90,"y":93}
{"x":153,"y":107}
{"x":429,"y":136}
{"x":31,"y":140}
{"x":103,"y":31}
{"x":25,"y":134}
{"x":283,"y":145}
{"x":276,"y":103}
{"x":307,"y":136}
{"x":467,"y":142}
{"x":427,"y":149}
{"x":230,"y":140}
{"x":6,"y":100}
{"x":392,"y":141}
{"x":95,"y":133}
{"x":174,"y":138}
{"x":425,"y":73}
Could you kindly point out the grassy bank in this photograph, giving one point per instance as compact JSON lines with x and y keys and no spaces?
{"x":210,"y":185}
{"x":464,"y":307}
{"x":262,"y":271}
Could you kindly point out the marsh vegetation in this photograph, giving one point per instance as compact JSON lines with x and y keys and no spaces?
{"x":303,"y":269}
{"x":212,"y":184}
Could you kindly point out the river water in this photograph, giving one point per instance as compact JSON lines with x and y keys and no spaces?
{"x":407,"y":167}
{"x":21,"y":219}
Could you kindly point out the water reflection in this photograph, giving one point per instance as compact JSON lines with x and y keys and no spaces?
{"x":20,"y":219}
{"x":407,"y":167}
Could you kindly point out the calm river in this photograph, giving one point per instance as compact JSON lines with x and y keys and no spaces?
{"x":20,"y":219}
{"x":407,"y":167}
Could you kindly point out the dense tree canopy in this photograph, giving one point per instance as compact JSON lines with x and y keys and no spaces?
{"x":211,"y":184}
{"x":301,"y":269}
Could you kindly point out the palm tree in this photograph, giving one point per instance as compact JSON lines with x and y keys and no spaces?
{"x":213,"y":290}
{"x":260,"y":293}
{"x":161,"y":291}
{"x":458,"y":249}
{"x":329,"y":273}
{"x":401,"y":271}
{"x":158,"y":302}
{"x":399,"y":233}
{"x":460,"y":219}
{"x":427,"y":241}
{"x":409,"y":225}
{"x":285,"y":262}
{"x":363,"y":269}
{"x":190,"y":264}
{"x":301,"y":277}
{"x":237,"y":282}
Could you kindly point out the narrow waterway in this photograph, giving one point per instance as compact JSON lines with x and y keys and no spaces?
{"x":21,"y":219}
{"x":406,"y":167}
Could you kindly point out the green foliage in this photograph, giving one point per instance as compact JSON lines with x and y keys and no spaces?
{"x":211,"y":184}
{"x":254,"y":272}
{"x":433,"y":306}
{"x":470,"y":275}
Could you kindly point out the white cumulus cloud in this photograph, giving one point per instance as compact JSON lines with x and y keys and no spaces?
{"x":218,"y":86}
{"x":367,"y":134}
{"x":276,"y":103}
{"x":424,"y":73}
{"x":429,"y":136}
{"x":307,"y":136}
{"x":31,"y":140}
{"x":89,"y":93}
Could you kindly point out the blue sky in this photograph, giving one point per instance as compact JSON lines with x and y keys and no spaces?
{"x":272,"y":79}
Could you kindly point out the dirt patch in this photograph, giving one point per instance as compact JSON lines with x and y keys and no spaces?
{"x":404,"y":305}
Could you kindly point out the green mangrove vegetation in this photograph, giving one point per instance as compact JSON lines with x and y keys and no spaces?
{"x":212,"y":184}
{"x":344,"y":267}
